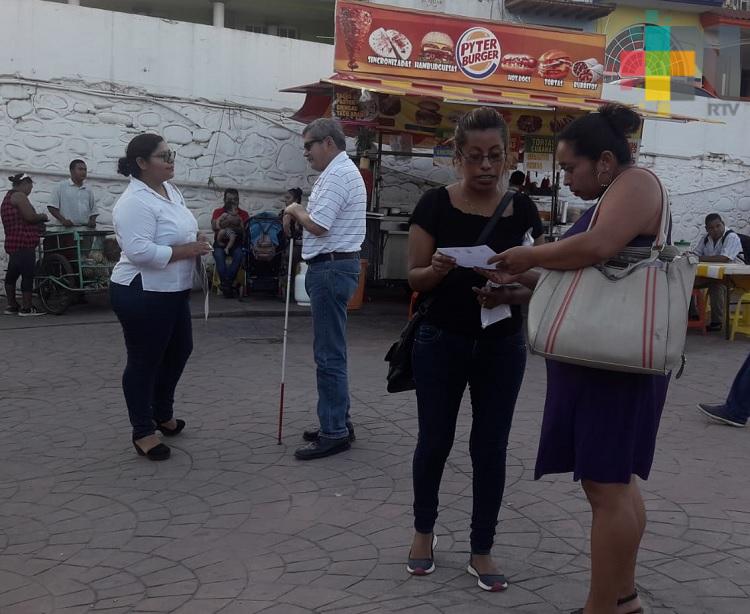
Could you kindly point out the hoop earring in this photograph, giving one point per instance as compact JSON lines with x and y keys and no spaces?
{"x":601,"y":183}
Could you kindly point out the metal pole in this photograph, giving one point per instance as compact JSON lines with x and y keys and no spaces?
{"x":286,"y":331}
{"x":553,"y":203}
{"x":376,"y":175}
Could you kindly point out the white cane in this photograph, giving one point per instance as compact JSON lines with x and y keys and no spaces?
{"x":286,"y":330}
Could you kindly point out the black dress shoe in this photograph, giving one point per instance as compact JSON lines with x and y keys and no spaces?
{"x":171,"y":432}
{"x":158,"y":453}
{"x":314,"y":434}
{"x":322,"y":448}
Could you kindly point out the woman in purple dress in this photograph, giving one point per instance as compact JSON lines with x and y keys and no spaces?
{"x":600,"y":425}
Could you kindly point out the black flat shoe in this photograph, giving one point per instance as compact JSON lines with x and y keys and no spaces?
{"x":322,"y":448}
{"x":171,"y":432}
{"x":157,"y":453}
{"x":314,"y":435}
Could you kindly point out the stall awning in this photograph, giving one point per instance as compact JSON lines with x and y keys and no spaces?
{"x":451,"y":93}
{"x":560,"y":8}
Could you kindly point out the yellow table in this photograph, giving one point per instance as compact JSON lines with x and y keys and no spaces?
{"x":731,"y":276}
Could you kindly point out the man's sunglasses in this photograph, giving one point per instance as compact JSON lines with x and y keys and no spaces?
{"x":167,"y":156}
{"x":309,"y":144}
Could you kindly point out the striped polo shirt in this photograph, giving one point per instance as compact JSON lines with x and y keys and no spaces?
{"x":338,"y":202}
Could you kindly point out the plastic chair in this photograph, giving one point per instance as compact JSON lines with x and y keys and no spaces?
{"x":699,"y":296}
{"x":741,"y":317}
{"x":240,"y":279}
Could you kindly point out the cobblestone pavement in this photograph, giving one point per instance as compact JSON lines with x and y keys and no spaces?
{"x":233,"y":524}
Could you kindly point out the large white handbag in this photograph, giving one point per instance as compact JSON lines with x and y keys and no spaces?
{"x":629,"y":314}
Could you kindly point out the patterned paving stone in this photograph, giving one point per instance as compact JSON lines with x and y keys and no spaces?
{"x":233,"y":524}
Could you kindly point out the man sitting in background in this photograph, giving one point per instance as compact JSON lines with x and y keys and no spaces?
{"x":535,"y":234}
{"x":718,"y":245}
{"x":72,"y":202}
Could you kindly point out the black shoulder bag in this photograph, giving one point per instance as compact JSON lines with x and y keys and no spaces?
{"x":400,"y":375}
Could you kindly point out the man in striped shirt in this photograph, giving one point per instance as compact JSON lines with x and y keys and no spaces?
{"x":334,"y":228}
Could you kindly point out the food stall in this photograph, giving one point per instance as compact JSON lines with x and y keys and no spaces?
{"x":407,"y":76}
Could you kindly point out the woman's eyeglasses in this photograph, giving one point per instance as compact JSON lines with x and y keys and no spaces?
{"x":475,"y":158}
{"x":166,"y":156}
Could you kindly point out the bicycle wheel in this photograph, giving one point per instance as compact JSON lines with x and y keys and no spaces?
{"x":54,"y":288}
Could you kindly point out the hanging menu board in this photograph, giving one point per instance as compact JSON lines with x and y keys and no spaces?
{"x":385,"y":40}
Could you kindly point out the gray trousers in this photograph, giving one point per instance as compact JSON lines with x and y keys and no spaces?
{"x":716,"y":298}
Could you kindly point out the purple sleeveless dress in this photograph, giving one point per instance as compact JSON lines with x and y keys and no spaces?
{"x":601,"y":425}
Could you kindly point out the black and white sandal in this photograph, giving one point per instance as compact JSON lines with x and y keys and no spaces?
{"x":423,"y":567}
{"x":620,"y":602}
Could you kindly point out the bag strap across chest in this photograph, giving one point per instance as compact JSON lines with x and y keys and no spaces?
{"x":631,"y":258}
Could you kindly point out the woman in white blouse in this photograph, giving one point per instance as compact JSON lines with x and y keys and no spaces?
{"x":150,"y":289}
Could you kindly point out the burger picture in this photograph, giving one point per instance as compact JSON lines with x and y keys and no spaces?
{"x":518,"y":64}
{"x":437,"y":47}
{"x":390,"y":105}
{"x":554,"y":64}
{"x":529,"y":123}
{"x":427,"y":113}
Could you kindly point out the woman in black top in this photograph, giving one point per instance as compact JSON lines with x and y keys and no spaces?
{"x":452,"y":350}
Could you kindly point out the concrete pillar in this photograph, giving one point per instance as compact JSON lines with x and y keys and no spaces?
{"x":219,"y":14}
{"x":74,"y":2}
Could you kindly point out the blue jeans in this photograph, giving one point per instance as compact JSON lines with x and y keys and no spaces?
{"x":330,"y":285}
{"x":444,"y":363}
{"x":227,"y":273}
{"x":738,"y":401}
{"x":159,"y":340}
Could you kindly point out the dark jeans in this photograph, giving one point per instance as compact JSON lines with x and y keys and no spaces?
{"x":444,"y":363}
{"x":21,"y":264}
{"x":330,"y":286}
{"x":738,"y":401}
{"x":159,"y":339}
{"x":227,"y":272}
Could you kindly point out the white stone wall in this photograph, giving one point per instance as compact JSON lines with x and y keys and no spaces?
{"x":701,"y":186}
{"x":44,"y":126}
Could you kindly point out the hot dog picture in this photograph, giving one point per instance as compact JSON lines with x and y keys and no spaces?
{"x":518,"y":64}
{"x":554,"y":64}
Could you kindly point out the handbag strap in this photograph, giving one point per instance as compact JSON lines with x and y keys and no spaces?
{"x":490,"y":226}
{"x":630,"y":256}
{"x":664,"y":223}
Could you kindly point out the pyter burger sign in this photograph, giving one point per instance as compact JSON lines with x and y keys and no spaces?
{"x":388,"y":41}
{"x":478,"y":53}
